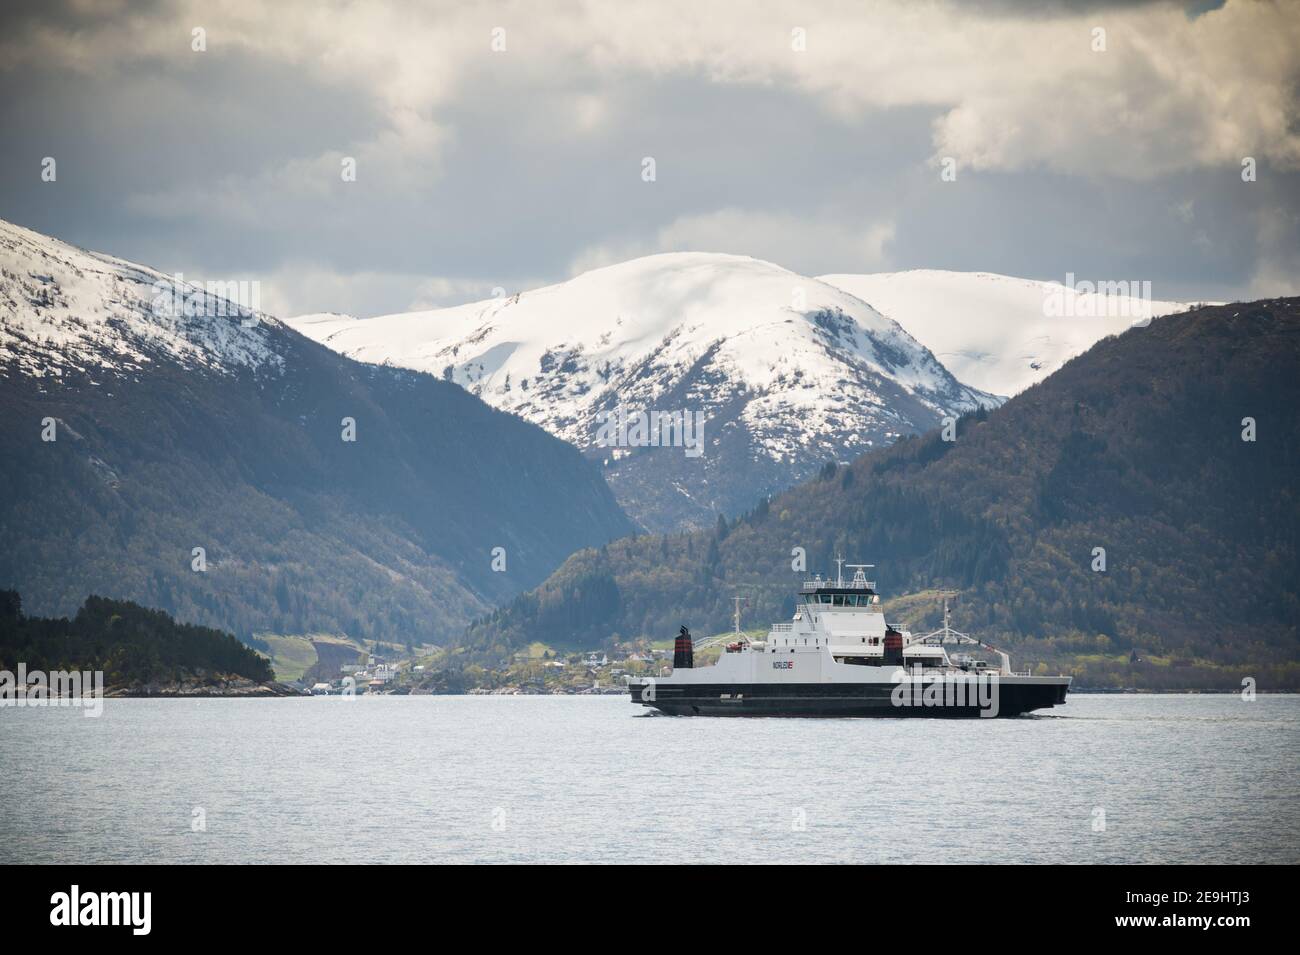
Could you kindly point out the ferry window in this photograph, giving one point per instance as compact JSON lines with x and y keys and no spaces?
{"x":839,"y":600}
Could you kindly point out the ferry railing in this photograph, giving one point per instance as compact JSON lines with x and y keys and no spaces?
{"x":846,"y":585}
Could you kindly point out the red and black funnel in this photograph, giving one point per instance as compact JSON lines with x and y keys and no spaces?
{"x":893,"y":647}
{"x":684,"y":650}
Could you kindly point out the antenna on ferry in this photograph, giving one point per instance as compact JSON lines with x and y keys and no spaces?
{"x":860,"y":574}
{"x":839,"y":571}
{"x":948,"y":635}
{"x":736,"y":616}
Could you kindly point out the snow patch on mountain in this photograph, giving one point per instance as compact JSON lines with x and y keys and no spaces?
{"x":995,"y":332}
{"x":723,"y":327}
{"x":63,"y":309}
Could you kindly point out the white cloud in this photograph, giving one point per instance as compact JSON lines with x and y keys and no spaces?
{"x":800,"y":243}
{"x":785,"y":239}
{"x":299,"y":288}
{"x":1277,"y":270}
{"x":1170,"y":92}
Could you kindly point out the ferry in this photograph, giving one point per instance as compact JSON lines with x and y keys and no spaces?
{"x":839,"y":657}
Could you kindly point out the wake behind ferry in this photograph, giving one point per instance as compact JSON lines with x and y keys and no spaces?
{"x":838,"y":657}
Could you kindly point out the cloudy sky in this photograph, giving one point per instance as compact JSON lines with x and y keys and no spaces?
{"x":812,"y":134}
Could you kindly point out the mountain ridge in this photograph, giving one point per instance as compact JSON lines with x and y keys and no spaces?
{"x":784,"y":371}
{"x":998,"y":332}
{"x":326,"y":494}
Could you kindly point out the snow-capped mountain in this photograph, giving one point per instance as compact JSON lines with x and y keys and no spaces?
{"x":995,"y":332}
{"x":145,"y":422}
{"x":784,"y":371}
{"x":63,"y":309}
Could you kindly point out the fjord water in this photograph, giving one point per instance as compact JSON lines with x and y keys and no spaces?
{"x":578,"y":779}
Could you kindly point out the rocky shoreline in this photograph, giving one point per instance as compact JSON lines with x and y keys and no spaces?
{"x":199,"y":686}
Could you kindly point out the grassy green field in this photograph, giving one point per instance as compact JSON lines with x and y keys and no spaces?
{"x":293,"y":654}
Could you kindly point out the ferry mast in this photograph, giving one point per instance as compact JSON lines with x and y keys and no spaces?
{"x":947,"y":635}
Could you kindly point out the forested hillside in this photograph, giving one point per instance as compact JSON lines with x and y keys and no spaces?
{"x":131,"y":644}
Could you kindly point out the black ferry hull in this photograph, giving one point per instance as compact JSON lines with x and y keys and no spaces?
{"x":1009,"y":698}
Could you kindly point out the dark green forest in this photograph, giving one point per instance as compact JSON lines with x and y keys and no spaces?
{"x":130,"y":643}
{"x":1135,"y":446}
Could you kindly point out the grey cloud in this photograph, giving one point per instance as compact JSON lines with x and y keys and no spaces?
{"x":228,"y":165}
